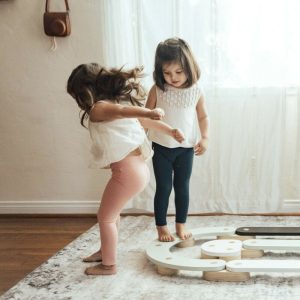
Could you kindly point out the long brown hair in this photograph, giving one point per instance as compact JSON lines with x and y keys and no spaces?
{"x":178,"y":51}
{"x":89,"y":83}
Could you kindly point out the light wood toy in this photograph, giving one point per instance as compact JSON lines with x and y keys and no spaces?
{"x":168,"y":264}
{"x":222,"y":259}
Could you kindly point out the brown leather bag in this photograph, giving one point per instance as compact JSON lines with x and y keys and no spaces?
{"x":57,"y":23}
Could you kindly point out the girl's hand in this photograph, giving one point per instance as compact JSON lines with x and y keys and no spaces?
{"x":201,"y":147}
{"x":178,"y":135}
{"x":157,"y":114}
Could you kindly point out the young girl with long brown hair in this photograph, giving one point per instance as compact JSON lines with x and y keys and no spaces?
{"x":111,"y":101}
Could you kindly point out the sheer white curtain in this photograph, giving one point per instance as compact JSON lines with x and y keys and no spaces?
{"x":248,"y":52}
{"x":291,"y":158}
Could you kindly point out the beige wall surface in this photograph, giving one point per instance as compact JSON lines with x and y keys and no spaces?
{"x":44,"y":151}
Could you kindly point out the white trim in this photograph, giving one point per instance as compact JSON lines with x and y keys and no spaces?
{"x":291,"y":206}
{"x":49,"y":207}
{"x":90,"y":207}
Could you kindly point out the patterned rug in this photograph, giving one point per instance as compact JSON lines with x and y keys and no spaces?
{"x":62,"y":276}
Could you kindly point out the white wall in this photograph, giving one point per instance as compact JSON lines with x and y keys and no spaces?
{"x":44,"y":150}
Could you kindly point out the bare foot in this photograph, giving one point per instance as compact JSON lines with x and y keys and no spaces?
{"x":164,"y":234}
{"x":181,"y":231}
{"x":101,"y":270}
{"x":95,"y":257}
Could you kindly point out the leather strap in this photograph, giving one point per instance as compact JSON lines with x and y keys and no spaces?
{"x":47,"y":5}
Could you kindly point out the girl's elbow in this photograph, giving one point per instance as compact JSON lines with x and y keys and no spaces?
{"x":203,"y":118}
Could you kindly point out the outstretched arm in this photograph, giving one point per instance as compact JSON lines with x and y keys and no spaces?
{"x":203,"y":122}
{"x":105,"y":111}
{"x":159,"y":125}
{"x":162,"y":127}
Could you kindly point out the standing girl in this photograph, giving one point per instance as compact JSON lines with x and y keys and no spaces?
{"x":177,"y":92}
{"x":110,"y":101}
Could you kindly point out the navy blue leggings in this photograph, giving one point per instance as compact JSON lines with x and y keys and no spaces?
{"x":167,"y":161}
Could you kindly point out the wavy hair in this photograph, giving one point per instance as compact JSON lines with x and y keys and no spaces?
{"x":89,"y":83}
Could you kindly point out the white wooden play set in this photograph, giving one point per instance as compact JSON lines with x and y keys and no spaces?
{"x":231,"y":254}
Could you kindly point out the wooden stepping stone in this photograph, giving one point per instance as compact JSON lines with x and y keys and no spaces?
{"x":222,"y":248}
{"x":226,"y":250}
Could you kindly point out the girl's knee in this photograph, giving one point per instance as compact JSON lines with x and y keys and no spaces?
{"x":102,"y":218}
{"x":107,"y":221}
{"x":164,"y":187}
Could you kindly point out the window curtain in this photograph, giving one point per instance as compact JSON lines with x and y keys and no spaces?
{"x":248,"y":52}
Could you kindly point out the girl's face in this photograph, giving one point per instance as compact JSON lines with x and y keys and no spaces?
{"x":174,"y":74}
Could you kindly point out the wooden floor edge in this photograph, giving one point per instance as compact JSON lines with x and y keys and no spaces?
{"x":146,"y":214}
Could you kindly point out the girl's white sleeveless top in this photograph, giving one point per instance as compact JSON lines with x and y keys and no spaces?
{"x":114,"y":140}
{"x":180,"y":112}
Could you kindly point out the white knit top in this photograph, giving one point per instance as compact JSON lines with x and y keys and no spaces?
{"x":180,"y":112}
{"x":114,"y":140}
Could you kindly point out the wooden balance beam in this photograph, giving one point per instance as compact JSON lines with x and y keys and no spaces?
{"x":272,"y":231}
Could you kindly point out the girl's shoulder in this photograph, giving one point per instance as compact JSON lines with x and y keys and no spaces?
{"x":153,"y":89}
{"x":198,"y":88}
{"x":100,"y":102}
{"x":111,"y":102}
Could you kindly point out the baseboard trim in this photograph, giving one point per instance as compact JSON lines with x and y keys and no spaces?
{"x":80,"y":207}
{"x":291,"y":205}
{"x":49,"y":207}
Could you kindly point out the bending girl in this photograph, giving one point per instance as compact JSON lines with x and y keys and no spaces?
{"x":111,"y":103}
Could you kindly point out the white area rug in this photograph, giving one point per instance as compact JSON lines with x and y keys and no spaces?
{"x":62,"y":277}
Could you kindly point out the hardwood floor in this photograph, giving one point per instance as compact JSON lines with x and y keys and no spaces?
{"x":27,"y":242}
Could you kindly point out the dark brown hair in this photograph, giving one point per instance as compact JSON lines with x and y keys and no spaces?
{"x":89,"y":83}
{"x":175,"y":50}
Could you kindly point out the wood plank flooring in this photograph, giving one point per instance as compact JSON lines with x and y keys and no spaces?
{"x":27,"y":242}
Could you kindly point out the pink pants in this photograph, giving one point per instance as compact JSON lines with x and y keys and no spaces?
{"x":129,"y":177}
